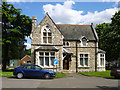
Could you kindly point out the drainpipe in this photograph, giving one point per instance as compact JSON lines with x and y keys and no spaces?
{"x":34,"y":56}
{"x":95,"y":56}
{"x":76,"y":57}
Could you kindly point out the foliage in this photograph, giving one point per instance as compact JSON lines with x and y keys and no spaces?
{"x":14,"y":29}
{"x":97,"y":74}
{"x":109,"y":37}
{"x":6,"y":73}
{"x":115,"y":34}
{"x":28,"y":52}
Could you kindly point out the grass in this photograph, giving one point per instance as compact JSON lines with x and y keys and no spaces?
{"x":60,"y":75}
{"x":97,"y":74}
{"x":9,"y":73}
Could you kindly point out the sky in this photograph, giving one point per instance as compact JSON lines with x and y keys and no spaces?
{"x":69,"y":11}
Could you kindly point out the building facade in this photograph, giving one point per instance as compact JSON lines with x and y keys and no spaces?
{"x":75,"y":46}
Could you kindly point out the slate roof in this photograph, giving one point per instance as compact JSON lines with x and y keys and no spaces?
{"x":76,"y":32}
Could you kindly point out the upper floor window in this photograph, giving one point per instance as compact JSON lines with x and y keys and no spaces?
{"x":66,"y":44}
{"x":84,"y":41}
{"x":46,"y":35}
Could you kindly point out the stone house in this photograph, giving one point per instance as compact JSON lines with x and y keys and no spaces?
{"x":75,"y":46}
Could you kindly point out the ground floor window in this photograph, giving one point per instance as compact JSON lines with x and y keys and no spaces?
{"x":84,"y":60}
{"x":102,"y":59}
{"x":46,"y":58}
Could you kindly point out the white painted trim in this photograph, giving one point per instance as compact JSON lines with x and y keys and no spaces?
{"x":45,"y":66}
{"x":44,"y":27}
{"x":99,"y":61}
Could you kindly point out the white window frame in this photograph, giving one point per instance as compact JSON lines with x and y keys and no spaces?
{"x":66,"y":43}
{"x":83,"y":59}
{"x":47,"y":31}
{"x":81,"y":43}
{"x":99,"y":56}
{"x":45,"y":66}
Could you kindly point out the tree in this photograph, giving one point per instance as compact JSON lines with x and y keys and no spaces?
{"x":14,"y":29}
{"x":104,"y":38}
{"x":109,"y":35}
{"x":28,"y":52}
{"x":115,"y":33}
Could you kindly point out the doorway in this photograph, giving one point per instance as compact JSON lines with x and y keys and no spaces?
{"x":66,"y":62}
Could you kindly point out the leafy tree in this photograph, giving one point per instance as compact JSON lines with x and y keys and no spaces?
{"x":28,"y":52}
{"x":14,"y":29}
{"x":115,"y":33}
{"x":109,"y":35}
{"x":104,"y":37}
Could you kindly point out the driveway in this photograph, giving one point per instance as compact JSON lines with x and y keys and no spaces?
{"x":71,"y":81}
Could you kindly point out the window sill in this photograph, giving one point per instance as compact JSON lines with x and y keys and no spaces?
{"x":84,"y":66}
{"x":46,"y":43}
{"x":47,"y":66}
{"x":66,"y":46}
{"x":101,"y":66}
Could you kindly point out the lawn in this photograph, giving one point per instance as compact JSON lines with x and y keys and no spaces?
{"x":97,"y":74}
{"x":9,"y":73}
{"x":60,"y":75}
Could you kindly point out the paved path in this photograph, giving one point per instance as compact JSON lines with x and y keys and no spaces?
{"x":71,"y":81}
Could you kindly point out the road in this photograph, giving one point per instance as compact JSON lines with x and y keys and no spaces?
{"x":71,"y":81}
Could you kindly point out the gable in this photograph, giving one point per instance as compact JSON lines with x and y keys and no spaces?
{"x":46,"y":24}
{"x":26,"y":58}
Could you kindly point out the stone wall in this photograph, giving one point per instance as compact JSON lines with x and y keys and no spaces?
{"x":57,"y":40}
{"x":90,"y":49}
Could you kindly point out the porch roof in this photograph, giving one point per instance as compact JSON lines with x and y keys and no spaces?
{"x":67,"y":51}
{"x":101,"y":51}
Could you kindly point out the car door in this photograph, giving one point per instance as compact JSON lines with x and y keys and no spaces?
{"x":37,"y":71}
{"x":27,"y":69}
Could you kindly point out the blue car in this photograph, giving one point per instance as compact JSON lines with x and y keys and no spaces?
{"x":31,"y":70}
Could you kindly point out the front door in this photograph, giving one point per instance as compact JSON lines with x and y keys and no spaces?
{"x":66,"y":64}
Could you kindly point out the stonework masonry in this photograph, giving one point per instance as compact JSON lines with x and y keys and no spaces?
{"x":57,"y":42}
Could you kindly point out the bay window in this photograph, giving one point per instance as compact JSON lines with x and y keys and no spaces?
{"x":46,"y":58}
{"x":102,"y":59}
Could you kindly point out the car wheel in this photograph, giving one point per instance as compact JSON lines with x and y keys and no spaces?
{"x":20,"y":75}
{"x":47,"y":76}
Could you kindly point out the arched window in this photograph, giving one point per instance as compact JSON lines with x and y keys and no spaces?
{"x":84,"y":41}
{"x":66,"y":43}
{"x":46,"y":34}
